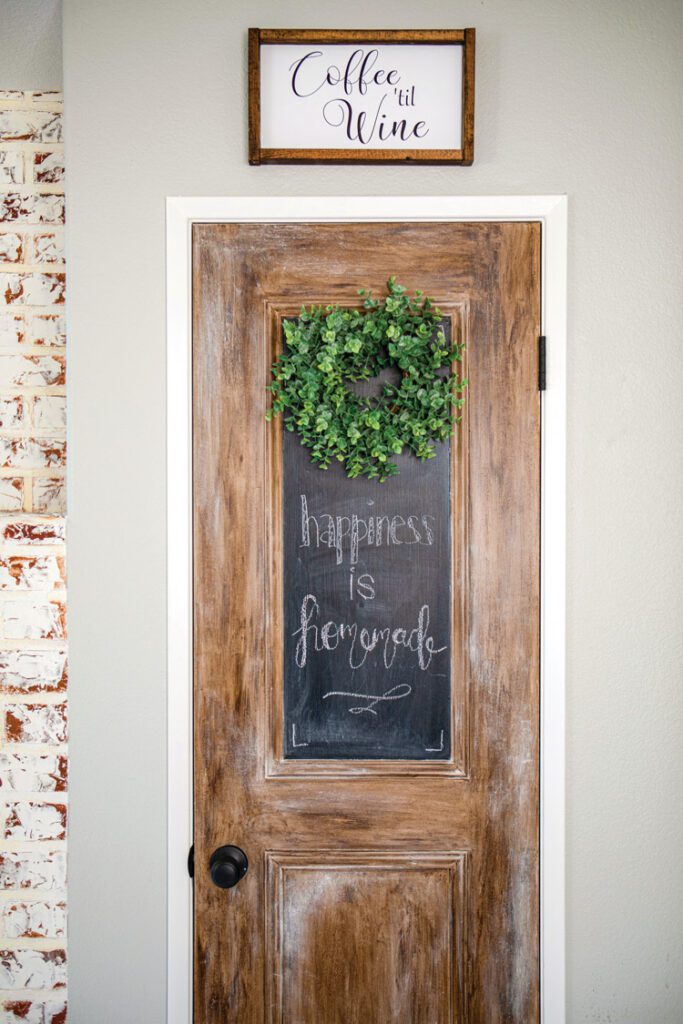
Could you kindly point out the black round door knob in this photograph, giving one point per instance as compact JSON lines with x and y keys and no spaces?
{"x":228,"y":865}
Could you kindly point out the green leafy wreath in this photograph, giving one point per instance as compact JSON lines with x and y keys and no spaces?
{"x":328,"y":347}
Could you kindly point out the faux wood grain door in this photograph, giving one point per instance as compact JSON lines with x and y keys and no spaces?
{"x":380,"y":890}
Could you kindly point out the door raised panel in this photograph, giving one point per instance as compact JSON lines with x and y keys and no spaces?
{"x":376,"y":937}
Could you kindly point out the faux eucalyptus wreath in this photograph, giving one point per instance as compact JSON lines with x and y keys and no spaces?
{"x":329,"y":348}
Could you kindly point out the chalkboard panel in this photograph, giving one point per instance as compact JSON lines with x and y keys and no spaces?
{"x":367,"y":610}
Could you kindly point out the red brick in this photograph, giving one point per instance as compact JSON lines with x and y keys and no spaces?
{"x":34,"y":619}
{"x":48,"y":329}
{"x":33,"y":1013}
{"x":11,"y":167}
{"x":28,"y":671}
{"x":38,"y":919}
{"x":18,"y":370}
{"x":49,"y":494}
{"x":33,"y":289}
{"x":36,"y":723}
{"x":30,"y":126}
{"x":32,"y":208}
{"x":41,"y":98}
{"x":34,"y":870}
{"x":50,"y":531}
{"x":48,"y":167}
{"x":49,"y":412}
{"x":11,"y":411}
{"x":12,"y":494}
{"x":32,"y":968}
{"x":48,"y":248}
{"x":12,"y":329}
{"x":33,"y":773}
{"x":39,"y":572}
{"x":32,"y":452}
{"x":11,"y":247}
{"x":33,"y":821}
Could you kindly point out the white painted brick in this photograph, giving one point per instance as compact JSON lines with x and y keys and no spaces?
{"x":21,"y":1012}
{"x":30,"y":615}
{"x":33,"y":773}
{"x":54,"y":1013}
{"x":47,"y":96}
{"x":17,"y":370}
{"x":34,"y":531}
{"x":12,"y":329}
{"x":11,"y":167}
{"x":32,"y":671}
{"x":30,"y":126}
{"x":38,"y":572}
{"x":38,"y":919}
{"x":31,"y":208}
{"x":36,"y":723}
{"x":12,"y":494}
{"x":11,"y":411}
{"x":49,"y":329}
{"x":32,"y":452}
{"x":48,"y":168}
{"x":11,"y":247}
{"x":33,"y":869}
{"x":32,"y":968}
{"x":49,"y":412}
{"x":49,"y":495}
{"x":33,"y":620}
{"x":33,"y":289}
{"x":48,"y":248}
{"x":32,"y":821}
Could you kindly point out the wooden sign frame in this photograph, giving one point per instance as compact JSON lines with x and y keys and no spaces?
{"x":460,"y":37}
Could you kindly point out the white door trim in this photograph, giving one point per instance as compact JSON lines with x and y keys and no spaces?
{"x":181,"y":213}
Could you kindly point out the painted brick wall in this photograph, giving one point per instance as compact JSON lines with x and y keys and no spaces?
{"x":33,"y":671}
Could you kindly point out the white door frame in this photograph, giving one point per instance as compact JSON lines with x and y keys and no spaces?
{"x":181,"y":214}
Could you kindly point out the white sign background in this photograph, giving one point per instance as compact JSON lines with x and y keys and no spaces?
{"x":415,"y":104}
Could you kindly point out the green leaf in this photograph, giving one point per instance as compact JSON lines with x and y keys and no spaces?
{"x":327,"y":348}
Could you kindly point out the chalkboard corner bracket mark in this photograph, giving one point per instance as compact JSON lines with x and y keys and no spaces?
{"x":294,"y":740}
{"x":436,"y":750}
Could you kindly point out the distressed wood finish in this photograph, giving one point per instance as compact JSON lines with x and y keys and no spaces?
{"x":413,"y":899}
{"x":465,"y":37}
{"x":434,"y":876}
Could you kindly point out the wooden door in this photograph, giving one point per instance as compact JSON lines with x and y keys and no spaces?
{"x":385,"y":885}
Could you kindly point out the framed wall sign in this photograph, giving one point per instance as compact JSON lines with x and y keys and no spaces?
{"x":379,"y":96}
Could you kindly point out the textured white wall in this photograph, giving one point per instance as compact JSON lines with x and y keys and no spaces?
{"x":30,"y":44}
{"x":581,"y":97}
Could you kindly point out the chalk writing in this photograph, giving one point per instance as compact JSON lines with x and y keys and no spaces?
{"x":348,"y":534}
{"x":387,"y":640}
{"x":395,"y":693}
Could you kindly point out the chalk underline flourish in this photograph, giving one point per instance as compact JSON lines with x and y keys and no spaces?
{"x":395,"y":693}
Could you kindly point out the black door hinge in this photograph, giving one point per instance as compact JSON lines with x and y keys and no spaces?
{"x":190,"y":862}
{"x":541,"y":363}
